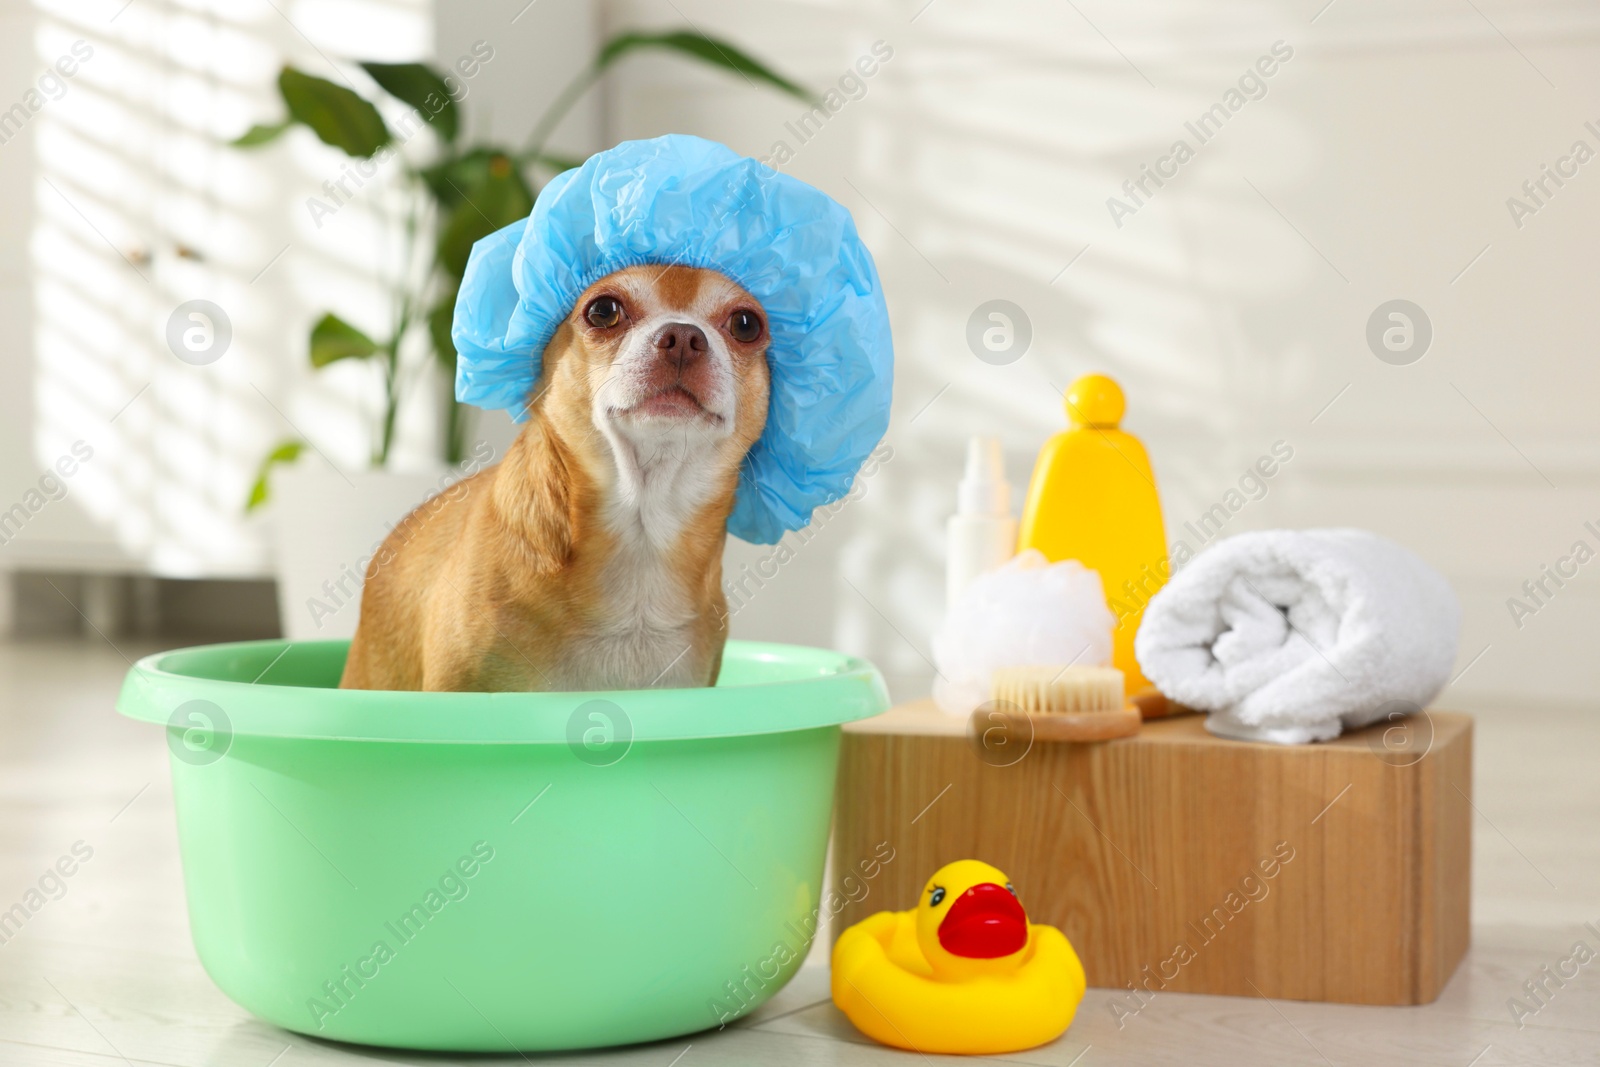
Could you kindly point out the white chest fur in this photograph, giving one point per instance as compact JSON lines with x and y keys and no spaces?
{"x":648,"y":634}
{"x":651,"y":633}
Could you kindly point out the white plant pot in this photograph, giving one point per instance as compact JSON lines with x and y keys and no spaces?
{"x":327,"y":527}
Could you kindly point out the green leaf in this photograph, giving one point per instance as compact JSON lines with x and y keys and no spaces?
{"x":423,"y":88}
{"x":451,"y":180}
{"x":335,"y":114}
{"x":440,"y":319}
{"x":261,"y":134}
{"x":557,"y":163}
{"x":500,"y":198}
{"x":285,"y":452}
{"x":710,"y":50}
{"x":333,"y":339}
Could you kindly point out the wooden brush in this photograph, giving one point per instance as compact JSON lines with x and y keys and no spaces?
{"x":1064,"y":703}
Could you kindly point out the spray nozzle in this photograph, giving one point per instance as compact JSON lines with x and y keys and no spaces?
{"x":984,"y":489}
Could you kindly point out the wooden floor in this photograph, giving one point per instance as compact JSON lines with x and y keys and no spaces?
{"x":106,"y":975}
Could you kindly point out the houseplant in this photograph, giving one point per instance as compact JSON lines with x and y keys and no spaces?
{"x":459,"y":191}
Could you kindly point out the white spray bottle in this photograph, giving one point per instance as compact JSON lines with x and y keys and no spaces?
{"x":981,"y":534}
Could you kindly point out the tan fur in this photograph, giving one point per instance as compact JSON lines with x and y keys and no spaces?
{"x":591,"y":556}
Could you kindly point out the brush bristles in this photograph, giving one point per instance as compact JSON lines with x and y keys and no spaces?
{"x":1042,"y":690}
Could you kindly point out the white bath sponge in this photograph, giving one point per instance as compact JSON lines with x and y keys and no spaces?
{"x":1028,"y":612}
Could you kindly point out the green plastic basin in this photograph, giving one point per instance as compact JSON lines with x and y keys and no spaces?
{"x":497,"y":871}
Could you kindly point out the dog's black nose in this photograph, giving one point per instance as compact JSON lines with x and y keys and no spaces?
{"x":680,"y":343}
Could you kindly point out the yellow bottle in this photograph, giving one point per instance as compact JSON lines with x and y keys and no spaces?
{"x":1093,"y":499}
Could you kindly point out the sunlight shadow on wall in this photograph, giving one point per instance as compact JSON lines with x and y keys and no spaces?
{"x":140,"y":207}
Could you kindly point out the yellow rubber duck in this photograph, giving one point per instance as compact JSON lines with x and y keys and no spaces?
{"x":963,"y":972}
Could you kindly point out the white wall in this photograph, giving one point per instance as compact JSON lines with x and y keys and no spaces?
{"x":1232,"y":305}
{"x":539,"y":47}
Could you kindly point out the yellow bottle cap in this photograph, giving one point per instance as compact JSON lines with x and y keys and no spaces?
{"x":1095,"y":400}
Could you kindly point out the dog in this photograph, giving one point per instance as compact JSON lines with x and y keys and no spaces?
{"x":590,"y":557}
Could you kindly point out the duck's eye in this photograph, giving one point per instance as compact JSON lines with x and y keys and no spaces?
{"x":604,"y":312}
{"x":1011,"y":889}
{"x":745,"y":326}
{"x":936,"y":897}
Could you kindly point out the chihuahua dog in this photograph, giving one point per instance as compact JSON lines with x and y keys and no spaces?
{"x":591,"y":556}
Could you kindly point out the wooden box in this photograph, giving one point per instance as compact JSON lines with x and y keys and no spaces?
{"x":1175,"y":860}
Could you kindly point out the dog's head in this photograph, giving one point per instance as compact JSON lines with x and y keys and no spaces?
{"x":665,"y":369}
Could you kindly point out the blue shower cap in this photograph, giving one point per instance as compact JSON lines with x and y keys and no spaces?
{"x":680,"y":199}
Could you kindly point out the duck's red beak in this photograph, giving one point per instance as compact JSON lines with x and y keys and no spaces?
{"x":985,"y":923}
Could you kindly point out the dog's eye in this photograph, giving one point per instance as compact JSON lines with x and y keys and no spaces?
{"x":604,"y":313}
{"x":745,"y":326}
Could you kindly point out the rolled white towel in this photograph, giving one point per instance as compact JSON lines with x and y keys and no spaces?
{"x":1291,"y":636}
